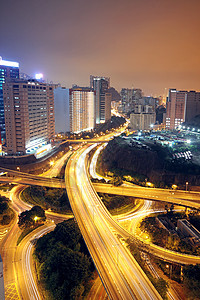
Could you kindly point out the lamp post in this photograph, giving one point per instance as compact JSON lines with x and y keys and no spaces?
{"x":51,"y":163}
{"x":35,"y":219}
{"x":186,"y":186}
{"x":170,"y":270}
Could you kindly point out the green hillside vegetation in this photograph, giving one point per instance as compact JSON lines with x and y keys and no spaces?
{"x":6,"y":213}
{"x":150,"y":160}
{"x":30,"y":220}
{"x":64,"y":266}
{"x":191,"y":281}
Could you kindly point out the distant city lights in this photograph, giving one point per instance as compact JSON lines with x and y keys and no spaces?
{"x":39,"y":76}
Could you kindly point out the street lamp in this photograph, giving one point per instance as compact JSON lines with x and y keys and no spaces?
{"x":36,"y":218}
{"x":186,"y":186}
{"x":170,"y":270}
{"x":18,"y":169}
{"x":174,"y":186}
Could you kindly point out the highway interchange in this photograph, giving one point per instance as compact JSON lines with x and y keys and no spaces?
{"x":121,"y":275}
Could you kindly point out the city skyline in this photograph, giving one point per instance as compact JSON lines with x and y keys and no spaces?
{"x":153,"y":46}
{"x":100,"y":149}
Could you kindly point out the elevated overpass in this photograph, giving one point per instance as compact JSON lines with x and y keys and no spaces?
{"x":189,"y":199}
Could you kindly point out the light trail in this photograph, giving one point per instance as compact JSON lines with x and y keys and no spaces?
{"x":27,"y":268}
{"x":126,"y":280}
{"x":93,"y":163}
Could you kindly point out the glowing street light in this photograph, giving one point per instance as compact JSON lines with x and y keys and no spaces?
{"x":169,"y":267}
{"x":174,"y":186}
{"x":39,"y":76}
{"x":149,"y":184}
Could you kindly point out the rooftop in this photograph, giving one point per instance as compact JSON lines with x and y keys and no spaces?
{"x":7,"y":63}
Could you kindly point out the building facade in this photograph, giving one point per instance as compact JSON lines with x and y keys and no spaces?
{"x":186,"y":229}
{"x":142,"y":121}
{"x":8,"y":70}
{"x":130,"y":98}
{"x":182,"y":106}
{"x":175,"y":114}
{"x":101,"y":87}
{"x":61,"y":106}
{"x":192,"y":105}
{"x":81,"y":108}
{"x":29,"y":115}
{"x":126,"y":99}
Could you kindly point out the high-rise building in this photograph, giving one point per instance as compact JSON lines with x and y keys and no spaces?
{"x":101,"y":87}
{"x":192,"y":105}
{"x":8,"y":70}
{"x":176,"y":103}
{"x":126,"y":99}
{"x":82,"y":108}
{"x":182,"y":106}
{"x":50,"y":109}
{"x":61,"y":106}
{"x":142,"y":121}
{"x":29,"y":115}
{"x":130,"y":98}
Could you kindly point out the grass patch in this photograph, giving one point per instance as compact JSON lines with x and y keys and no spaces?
{"x":123,"y":209}
{"x":6,"y":187}
{"x":26,"y":232}
{"x":117,"y":204}
{"x":48,"y":198}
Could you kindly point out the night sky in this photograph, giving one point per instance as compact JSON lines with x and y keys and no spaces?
{"x":148,"y":44}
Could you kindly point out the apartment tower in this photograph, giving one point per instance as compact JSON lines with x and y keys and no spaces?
{"x":8,"y":70}
{"x":102,"y":98}
{"x":81,"y":107}
{"x":29,"y":115}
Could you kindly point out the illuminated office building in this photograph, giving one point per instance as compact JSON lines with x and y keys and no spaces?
{"x":8,"y":70}
{"x":81,"y":105}
{"x":29,"y":115}
{"x":102,"y":98}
